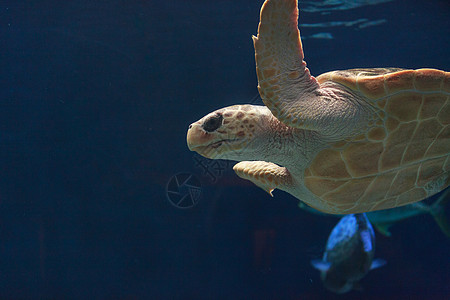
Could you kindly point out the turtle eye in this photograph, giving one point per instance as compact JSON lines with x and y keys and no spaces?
{"x":213,"y":122}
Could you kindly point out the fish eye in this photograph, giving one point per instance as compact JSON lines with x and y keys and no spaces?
{"x":213,"y":123}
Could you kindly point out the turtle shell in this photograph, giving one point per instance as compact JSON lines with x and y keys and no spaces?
{"x":403,"y":157}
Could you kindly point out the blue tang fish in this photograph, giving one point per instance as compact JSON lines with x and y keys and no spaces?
{"x":348,"y":254}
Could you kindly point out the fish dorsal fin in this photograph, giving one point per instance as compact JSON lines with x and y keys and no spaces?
{"x":376,"y":263}
{"x":320,"y":265}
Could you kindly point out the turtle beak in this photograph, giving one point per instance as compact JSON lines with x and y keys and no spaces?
{"x":197,"y":138}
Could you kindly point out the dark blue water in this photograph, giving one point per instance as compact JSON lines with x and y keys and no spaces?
{"x":96,"y":97}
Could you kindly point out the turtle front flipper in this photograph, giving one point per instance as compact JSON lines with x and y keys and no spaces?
{"x":282,"y":74}
{"x":266,"y":175}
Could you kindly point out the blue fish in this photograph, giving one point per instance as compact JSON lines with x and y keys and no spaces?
{"x":348,"y":254}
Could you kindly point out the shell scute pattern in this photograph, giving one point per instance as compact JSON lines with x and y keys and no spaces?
{"x":362,"y":158}
{"x":432,"y":105}
{"x":429,"y":80}
{"x":400,"y":81}
{"x":444,"y":113}
{"x":446,"y":84}
{"x":376,"y":134}
{"x":403,"y":155}
{"x":404,"y":106}
{"x":394,"y":146}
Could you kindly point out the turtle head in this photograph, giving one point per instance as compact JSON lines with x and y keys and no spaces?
{"x":234,"y":132}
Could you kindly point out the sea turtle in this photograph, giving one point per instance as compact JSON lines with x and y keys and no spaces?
{"x":345,"y":142}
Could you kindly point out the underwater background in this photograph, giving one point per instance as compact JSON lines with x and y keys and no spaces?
{"x":96,"y":99}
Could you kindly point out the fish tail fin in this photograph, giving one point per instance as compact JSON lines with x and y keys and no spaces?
{"x":438,"y":212}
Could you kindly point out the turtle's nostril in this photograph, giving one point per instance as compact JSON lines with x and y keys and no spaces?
{"x":190,"y":126}
{"x":213,"y":123}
